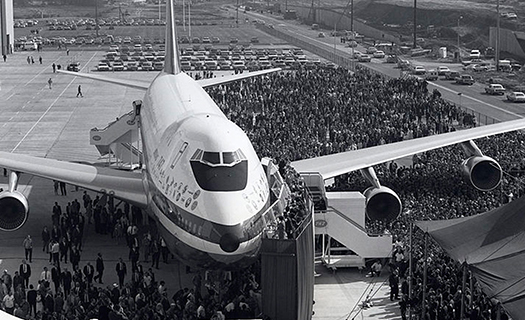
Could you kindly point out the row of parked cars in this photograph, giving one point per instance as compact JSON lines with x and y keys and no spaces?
{"x":149,"y":58}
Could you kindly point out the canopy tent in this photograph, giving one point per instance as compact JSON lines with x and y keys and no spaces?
{"x":493,"y":246}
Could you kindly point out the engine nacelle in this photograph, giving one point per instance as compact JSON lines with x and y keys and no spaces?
{"x":483,"y":172}
{"x":382,"y":204}
{"x":14,"y":210}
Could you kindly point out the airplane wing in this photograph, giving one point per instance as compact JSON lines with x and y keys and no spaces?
{"x":122,"y":82}
{"x":336,"y":164}
{"x":222,"y":80}
{"x":125,"y":185}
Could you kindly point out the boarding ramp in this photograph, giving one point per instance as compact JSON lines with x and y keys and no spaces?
{"x":119,"y":140}
{"x":341,"y":216}
{"x":344,"y":220}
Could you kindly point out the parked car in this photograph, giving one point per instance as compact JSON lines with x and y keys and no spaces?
{"x":379,"y":54}
{"x":419,"y":70}
{"x":103,"y":67}
{"x":364,"y":58}
{"x":391,"y":58}
{"x":118,"y":66}
{"x":516,"y":96}
{"x":146,"y":66}
{"x":186,"y":65}
{"x":443,"y":70}
{"x":431,"y":75}
{"x":475,"y":54}
{"x":73,"y":66}
{"x":210,"y":65}
{"x":452,"y":75}
{"x":465,"y":79}
{"x":238,"y":65}
{"x":371,"y":50}
{"x":132,"y":66}
{"x":495,"y":89}
{"x":158,"y":66}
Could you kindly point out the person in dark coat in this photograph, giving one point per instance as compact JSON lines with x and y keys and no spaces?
{"x":25,"y":272}
{"x":31,"y":298}
{"x":49,"y":302}
{"x":393,"y":281}
{"x":100,"y":268}
{"x":67,"y":277}
{"x":56,"y":277}
{"x":89,"y":272}
{"x":121,"y":272}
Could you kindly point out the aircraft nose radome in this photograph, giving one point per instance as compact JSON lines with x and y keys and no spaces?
{"x":229,"y":242}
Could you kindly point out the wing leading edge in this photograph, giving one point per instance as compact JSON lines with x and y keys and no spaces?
{"x":125,"y":185}
{"x":336,"y":164}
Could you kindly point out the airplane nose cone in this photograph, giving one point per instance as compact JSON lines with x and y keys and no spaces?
{"x":229,"y":242}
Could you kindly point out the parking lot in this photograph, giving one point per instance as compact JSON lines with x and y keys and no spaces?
{"x":204,"y":55}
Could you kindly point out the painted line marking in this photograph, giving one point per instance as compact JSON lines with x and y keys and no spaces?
{"x":47,"y":111}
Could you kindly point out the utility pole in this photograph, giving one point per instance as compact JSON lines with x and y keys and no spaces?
{"x":497,"y":36}
{"x":96,"y":17}
{"x":237,"y":14}
{"x":415,"y":23}
{"x":352,"y":18}
{"x":459,"y":49}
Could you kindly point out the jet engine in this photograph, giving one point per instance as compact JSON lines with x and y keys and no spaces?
{"x":382,"y":203}
{"x":14,"y":210}
{"x":483,"y":172}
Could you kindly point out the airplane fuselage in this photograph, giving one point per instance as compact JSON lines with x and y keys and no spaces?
{"x":206,"y":186}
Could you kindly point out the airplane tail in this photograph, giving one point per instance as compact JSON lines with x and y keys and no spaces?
{"x":171,"y":61}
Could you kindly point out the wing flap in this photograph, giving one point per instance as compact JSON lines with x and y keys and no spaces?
{"x":226,"y":79}
{"x":125,"y":185}
{"x":336,"y":164}
{"x":122,"y":82}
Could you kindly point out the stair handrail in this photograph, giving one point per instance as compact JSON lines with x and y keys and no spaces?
{"x":95,"y":129}
{"x":132,"y":148}
{"x":357,"y":225}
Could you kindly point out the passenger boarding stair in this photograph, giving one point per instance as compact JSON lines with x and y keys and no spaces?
{"x":120,"y":139}
{"x":341,"y":215}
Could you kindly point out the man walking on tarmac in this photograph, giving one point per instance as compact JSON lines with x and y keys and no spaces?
{"x":79,"y":92}
{"x":50,"y":82}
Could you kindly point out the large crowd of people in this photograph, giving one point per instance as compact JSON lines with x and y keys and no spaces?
{"x":288,"y":116}
{"x":296,"y":115}
{"x":73,"y":288}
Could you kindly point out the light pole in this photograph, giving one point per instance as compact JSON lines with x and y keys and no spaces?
{"x":459,"y":50}
{"x":415,"y":24}
{"x":497,"y":36}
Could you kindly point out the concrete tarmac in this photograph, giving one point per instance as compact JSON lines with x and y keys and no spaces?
{"x":54,"y":123}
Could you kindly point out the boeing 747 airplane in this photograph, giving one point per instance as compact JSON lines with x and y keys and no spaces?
{"x":201,"y":179}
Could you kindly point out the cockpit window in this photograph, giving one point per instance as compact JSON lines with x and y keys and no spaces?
{"x":211,"y":157}
{"x":232,"y":157}
{"x":214,"y":171}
